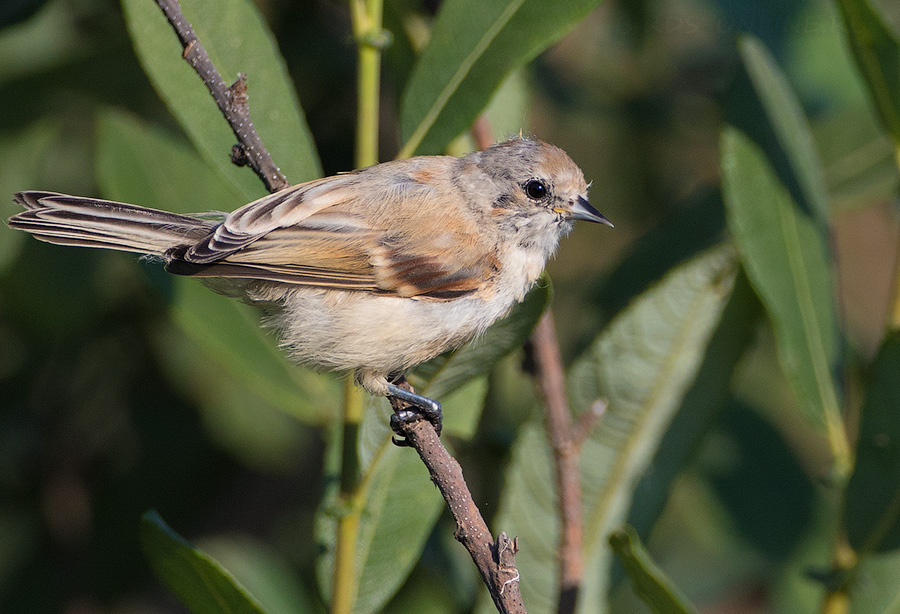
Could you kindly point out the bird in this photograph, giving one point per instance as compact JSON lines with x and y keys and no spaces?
{"x":369,"y":272}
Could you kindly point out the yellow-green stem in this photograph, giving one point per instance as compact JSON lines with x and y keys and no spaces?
{"x":366,"y":17}
{"x":894,"y":314}
{"x":343,"y":586}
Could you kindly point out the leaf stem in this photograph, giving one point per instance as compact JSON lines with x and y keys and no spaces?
{"x":370,"y":38}
{"x":343,"y":586}
{"x":894,"y":310}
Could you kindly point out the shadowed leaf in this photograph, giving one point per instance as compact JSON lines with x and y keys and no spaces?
{"x":197,"y":579}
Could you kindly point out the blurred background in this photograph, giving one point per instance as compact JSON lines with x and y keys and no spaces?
{"x":111,"y":404}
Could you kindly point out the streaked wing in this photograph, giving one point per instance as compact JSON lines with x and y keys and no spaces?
{"x":319,"y":235}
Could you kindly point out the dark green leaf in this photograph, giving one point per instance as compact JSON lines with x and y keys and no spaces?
{"x":648,"y":581}
{"x":238,"y":41}
{"x":877,"y":51}
{"x":21,"y":169}
{"x":267,"y":574}
{"x":872,"y":512}
{"x":194,"y":577}
{"x":473,"y":47}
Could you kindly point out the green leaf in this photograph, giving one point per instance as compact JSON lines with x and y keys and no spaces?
{"x":22,"y":156}
{"x":270,"y":577}
{"x":643,"y":364}
{"x":194,"y":577}
{"x":762,"y":104}
{"x":238,"y":41}
{"x":875,"y":585}
{"x":138,"y":164}
{"x":877,"y":51}
{"x":872,"y":511}
{"x":649,"y":582}
{"x":775,"y":211}
{"x":473,"y":47}
{"x":700,"y":407}
{"x":858,"y":159}
{"x":450,"y":371}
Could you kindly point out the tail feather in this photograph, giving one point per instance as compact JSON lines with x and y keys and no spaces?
{"x":88,"y":222}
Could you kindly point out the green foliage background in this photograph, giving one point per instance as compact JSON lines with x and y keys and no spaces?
{"x":739,"y":318}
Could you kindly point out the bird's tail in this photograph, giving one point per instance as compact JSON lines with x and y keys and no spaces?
{"x":90,"y":222}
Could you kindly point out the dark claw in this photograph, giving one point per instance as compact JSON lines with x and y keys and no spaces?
{"x":418,"y":407}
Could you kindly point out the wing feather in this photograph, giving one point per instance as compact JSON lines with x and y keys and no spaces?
{"x":330,"y":233}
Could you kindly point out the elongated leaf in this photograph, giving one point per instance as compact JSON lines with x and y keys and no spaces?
{"x":238,"y":41}
{"x":877,"y":51}
{"x":137,"y":164}
{"x":473,"y":47}
{"x":774,"y":209}
{"x":268,"y":575}
{"x":786,"y":262}
{"x":649,"y":582}
{"x":21,"y":169}
{"x":643,"y":363}
{"x":876,"y":586}
{"x":448,"y":372}
{"x":197,"y":580}
{"x":872,"y":512}
{"x":700,"y":407}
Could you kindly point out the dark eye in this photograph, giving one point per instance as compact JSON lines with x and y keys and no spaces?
{"x":536,"y":189}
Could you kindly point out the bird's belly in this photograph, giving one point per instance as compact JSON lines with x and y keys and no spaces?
{"x":340,"y":330}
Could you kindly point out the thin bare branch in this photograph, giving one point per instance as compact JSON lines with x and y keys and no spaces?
{"x":231,"y":100}
{"x":496,"y":561}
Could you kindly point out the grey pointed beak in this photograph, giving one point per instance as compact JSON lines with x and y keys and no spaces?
{"x":582,"y":210}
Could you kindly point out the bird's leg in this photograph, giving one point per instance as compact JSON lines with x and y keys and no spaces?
{"x":409,"y":407}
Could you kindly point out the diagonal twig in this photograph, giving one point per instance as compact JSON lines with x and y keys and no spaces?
{"x":496,"y":560}
{"x":231,"y":100}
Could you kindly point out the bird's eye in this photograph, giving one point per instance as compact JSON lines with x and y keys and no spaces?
{"x":536,"y":189}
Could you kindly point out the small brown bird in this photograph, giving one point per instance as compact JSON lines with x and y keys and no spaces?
{"x":372,"y":271}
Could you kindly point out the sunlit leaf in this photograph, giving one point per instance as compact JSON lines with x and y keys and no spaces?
{"x":198,"y":580}
{"x":238,"y":41}
{"x":701,"y":406}
{"x":643,"y":364}
{"x":473,"y":47}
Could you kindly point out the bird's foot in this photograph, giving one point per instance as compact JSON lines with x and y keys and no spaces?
{"x":409,"y":407}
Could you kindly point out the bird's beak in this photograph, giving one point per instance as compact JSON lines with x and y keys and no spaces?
{"x":582,"y":210}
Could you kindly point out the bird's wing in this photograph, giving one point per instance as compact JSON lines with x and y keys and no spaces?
{"x":325,"y":234}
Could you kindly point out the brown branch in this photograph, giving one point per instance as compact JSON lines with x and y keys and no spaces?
{"x":231,"y":100}
{"x":566,"y":439}
{"x":496,"y":561}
